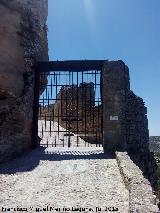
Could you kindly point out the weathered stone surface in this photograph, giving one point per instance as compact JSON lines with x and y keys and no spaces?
{"x":11,"y":55}
{"x":115,"y":83}
{"x":137,"y":136}
{"x":142,"y":198}
{"x":125,"y":119}
{"x":23,"y":41}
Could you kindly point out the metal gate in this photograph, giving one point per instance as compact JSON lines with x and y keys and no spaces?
{"x":70,"y":105}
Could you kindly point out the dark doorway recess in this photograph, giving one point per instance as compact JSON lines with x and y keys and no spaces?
{"x":68,"y":107}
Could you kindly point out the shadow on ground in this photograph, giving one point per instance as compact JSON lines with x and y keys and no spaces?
{"x":30,"y":161}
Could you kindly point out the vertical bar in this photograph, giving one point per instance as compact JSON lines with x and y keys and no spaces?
{"x":53,"y":114}
{"x":61,"y":103}
{"x":55,"y":83}
{"x":58,"y":121}
{"x":47,"y":142}
{"x":52,"y":96}
{"x":46,"y":89}
{"x":72,"y":103}
{"x":63,"y":140}
{"x":95,"y":104}
{"x":70,"y":108}
{"x":85,"y":114}
{"x":42,"y":130}
{"x":54,"y":78}
{"x":35,"y":142}
{"x":90,"y":112}
{"x":45,"y":122}
{"x":40,"y":111}
{"x":77,"y":111}
{"x":101,"y":94}
{"x":43,"y":102}
{"x":96,"y":136}
{"x":98,"y":123}
{"x":51,"y":88}
{"x":48,"y":101}
{"x":46,"y":109}
{"x":66,"y":105}
{"x":83,"y":108}
{"x":50,"y":126}
{"x":90,"y":107}
{"x":55,"y":141}
{"x":59,"y":74}
{"x":93,"y":123}
{"x":57,"y":77}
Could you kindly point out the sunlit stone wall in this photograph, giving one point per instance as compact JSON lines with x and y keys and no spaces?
{"x":23,"y":41}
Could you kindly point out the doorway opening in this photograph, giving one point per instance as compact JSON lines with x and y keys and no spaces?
{"x":70,"y":105}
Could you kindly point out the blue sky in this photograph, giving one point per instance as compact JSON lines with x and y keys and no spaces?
{"x":112,"y":29}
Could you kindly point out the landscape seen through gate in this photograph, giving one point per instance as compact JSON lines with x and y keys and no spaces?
{"x":70,"y":108}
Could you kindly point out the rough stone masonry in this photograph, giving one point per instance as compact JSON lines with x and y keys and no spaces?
{"x":125,"y":119}
{"x":23,"y":41}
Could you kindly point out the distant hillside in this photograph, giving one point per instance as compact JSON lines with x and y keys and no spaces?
{"x":154,"y":144}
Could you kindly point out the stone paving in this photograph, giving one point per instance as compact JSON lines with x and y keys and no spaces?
{"x":78,"y":177}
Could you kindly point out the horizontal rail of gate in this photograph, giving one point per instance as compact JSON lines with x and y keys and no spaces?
{"x":69,"y":105}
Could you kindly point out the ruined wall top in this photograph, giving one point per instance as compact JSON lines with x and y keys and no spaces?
{"x":38,"y":7}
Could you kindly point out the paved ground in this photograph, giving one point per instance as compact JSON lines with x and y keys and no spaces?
{"x":60,"y":139}
{"x":63,"y":178}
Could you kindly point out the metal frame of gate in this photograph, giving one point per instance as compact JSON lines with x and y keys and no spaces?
{"x":93,"y":67}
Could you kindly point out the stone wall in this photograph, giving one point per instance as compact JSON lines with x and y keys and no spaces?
{"x":115,"y":84}
{"x":125,"y":119}
{"x":141,"y":195}
{"x":23,"y":41}
{"x":137,"y":136}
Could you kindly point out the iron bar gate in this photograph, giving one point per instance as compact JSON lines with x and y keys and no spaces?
{"x":69,"y":105}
